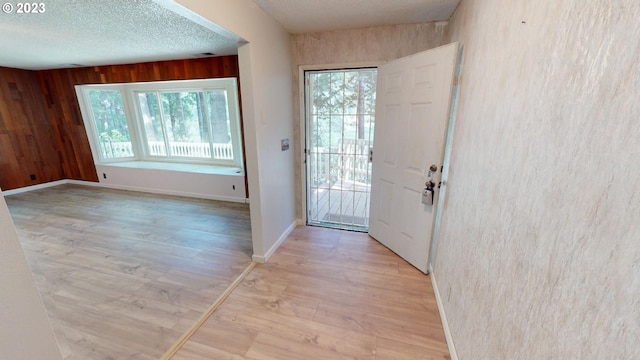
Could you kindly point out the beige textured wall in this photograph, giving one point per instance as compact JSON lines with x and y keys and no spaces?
{"x":539,"y":255}
{"x":377,"y":44}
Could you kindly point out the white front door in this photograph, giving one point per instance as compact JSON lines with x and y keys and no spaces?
{"x":412,"y":113}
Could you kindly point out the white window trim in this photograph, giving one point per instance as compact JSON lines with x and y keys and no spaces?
{"x":132,"y":113}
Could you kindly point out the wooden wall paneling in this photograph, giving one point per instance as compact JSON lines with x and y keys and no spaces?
{"x":57,"y":88}
{"x":59,"y":97}
{"x":27,"y":143}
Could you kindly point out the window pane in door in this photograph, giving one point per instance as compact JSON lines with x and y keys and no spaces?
{"x":152,"y":124}
{"x":111,"y":124}
{"x":340,"y":121}
{"x":186,"y":124}
{"x":220,"y":124}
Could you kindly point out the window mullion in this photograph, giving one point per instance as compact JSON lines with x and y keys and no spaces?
{"x":138,"y":135}
{"x":234,"y":122}
{"x":165,"y":135}
{"x":209,"y":125}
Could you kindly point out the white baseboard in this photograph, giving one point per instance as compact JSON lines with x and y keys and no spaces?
{"x":127,"y":188}
{"x":263,"y":259}
{"x":83,"y":183}
{"x":175,"y":193}
{"x":34,"y":187}
{"x":443,"y":317}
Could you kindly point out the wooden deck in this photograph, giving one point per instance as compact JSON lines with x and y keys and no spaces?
{"x":341,"y":204}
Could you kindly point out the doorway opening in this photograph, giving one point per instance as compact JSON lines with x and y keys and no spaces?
{"x":340,"y":118}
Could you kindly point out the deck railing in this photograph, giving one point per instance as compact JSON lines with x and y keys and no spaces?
{"x":117,"y":149}
{"x":350,"y":161}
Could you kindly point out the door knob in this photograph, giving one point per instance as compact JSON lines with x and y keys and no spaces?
{"x":433,"y":168}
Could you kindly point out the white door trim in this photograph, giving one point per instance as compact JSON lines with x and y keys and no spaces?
{"x":448,"y":146}
{"x":303,"y":119}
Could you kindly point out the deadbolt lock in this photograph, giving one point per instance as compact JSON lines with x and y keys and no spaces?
{"x":428,"y":193}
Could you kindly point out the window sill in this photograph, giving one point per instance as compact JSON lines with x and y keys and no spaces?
{"x":179,"y":167}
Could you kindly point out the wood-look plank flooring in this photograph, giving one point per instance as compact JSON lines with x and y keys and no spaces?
{"x":325,"y":294}
{"x":123,"y":275}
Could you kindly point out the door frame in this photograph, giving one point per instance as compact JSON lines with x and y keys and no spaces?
{"x":446,"y":160}
{"x":303,"y":119}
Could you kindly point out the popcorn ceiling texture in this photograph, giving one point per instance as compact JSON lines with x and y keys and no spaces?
{"x":539,"y":252}
{"x":96,"y":32}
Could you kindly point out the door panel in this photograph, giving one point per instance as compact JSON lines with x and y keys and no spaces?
{"x":390,"y":140}
{"x":416,"y":144}
{"x":412,"y":110}
{"x":386,"y":196}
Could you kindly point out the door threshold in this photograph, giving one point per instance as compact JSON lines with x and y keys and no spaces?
{"x":340,"y":227}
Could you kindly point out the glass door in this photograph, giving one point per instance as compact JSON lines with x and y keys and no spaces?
{"x":340,"y":118}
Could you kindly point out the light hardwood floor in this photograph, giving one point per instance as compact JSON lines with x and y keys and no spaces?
{"x":123,"y":275}
{"x":325,"y":294}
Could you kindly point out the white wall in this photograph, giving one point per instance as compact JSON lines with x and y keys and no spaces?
{"x":539,"y":249}
{"x":266,"y":93}
{"x":25,"y":332}
{"x":229,"y":187}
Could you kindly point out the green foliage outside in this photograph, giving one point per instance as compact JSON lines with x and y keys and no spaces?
{"x":342,"y":109}
{"x":183,"y":118}
{"x":108,"y":114}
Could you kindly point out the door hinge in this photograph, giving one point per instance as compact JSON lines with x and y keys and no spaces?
{"x":370,"y":154}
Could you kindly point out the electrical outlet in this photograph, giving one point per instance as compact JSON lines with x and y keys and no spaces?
{"x":104,"y":175}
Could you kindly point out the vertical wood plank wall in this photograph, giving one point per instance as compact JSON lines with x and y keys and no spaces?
{"x":26,"y":143}
{"x":63,"y":111}
{"x":41,"y":128}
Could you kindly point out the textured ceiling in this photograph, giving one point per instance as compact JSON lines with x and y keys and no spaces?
{"x":101,"y":32}
{"x":301,"y":16}
{"x":98,"y":32}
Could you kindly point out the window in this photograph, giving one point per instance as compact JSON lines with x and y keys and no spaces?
{"x":111,"y":124}
{"x":177,"y":121}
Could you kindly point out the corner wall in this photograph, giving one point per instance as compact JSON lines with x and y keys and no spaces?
{"x":265,"y":79}
{"x":539,"y":252}
{"x":338,"y":48}
{"x":25,"y":333}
